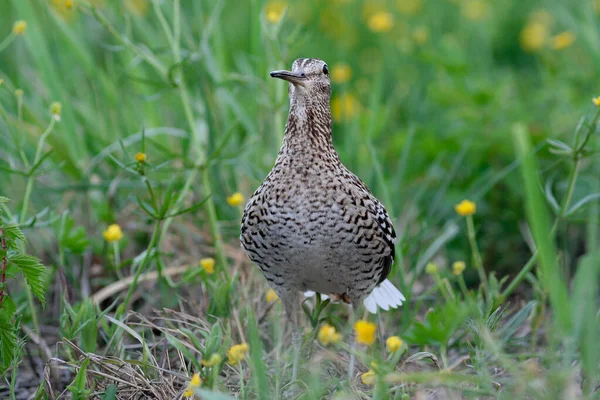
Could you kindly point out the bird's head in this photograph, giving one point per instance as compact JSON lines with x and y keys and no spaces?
{"x":309,"y":79}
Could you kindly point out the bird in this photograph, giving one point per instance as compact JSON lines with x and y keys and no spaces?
{"x":312,"y":225}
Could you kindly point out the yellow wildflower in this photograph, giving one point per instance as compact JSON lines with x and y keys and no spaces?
{"x":365,"y":332}
{"x":368,"y":378}
{"x":327,"y":334}
{"x":341,"y":73}
{"x":533,"y":36}
{"x":139,"y":8}
{"x":475,"y":10}
{"x":1,"y":82}
{"x":431,"y":268}
{"x":235,"y":199}
{"x":458,"y":267}
{"x":420,"y":35}
{"x":271,"y":296}
{"x":381,"y":22}
{"x":596,"y":101}
{"x":465,"y":208}
{"x":409,"y":7}
{"x":19,"y":27}
{"x":208,"y":264}
{"x":274,"y":11}
{"x":344,"y":107}
{"x":69,"y":4}
{"x":563,"y":40}
{"x":193,"y":385}
{"x":113,"y":233}
{"x":236,"y":353}
{"x":214,"y":359}
{"x":140,"y":157}
{"x":393,"y":344}
{"x":56,"y":110}
{"x":19,"y":93}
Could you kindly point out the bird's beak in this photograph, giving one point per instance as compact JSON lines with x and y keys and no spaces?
{"x":293,"y":77}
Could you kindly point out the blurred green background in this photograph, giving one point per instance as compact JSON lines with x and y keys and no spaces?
{"x":424,"y":96}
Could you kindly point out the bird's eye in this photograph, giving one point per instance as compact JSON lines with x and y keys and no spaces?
{"x":325,"y":69}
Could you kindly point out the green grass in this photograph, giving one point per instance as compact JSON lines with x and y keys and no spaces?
{"x":447,"y":105}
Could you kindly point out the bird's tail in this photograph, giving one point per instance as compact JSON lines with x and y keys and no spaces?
{"x":385,"y":296}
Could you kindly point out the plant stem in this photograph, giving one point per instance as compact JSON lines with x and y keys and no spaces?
{"x":565,"y":206}
{"x":195,"y":144}
{"x":7,"y":41}
{"x":139,"y":271}
{"x":28,"y":190}
{"x":30,"y":179}
{"x":476,"y":254}
{"x":2,"y":266}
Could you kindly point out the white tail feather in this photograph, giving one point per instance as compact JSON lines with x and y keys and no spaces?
{"x":385,"y":296}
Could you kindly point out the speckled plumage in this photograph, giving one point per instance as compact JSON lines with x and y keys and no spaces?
{"x":313,"y":225}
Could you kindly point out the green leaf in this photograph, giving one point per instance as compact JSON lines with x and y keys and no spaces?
{"x":110,"y":393}
{"x":4,"y":199}
{"x":78,"y":386}
{"x":584,"y":312}
{"x":33,"y":271}
{"x":13,"y":231}
{"x":8,"y":340}
{"x":173,"y":341}
{"x":69,"y":237}
{"x":8,"y":305}
{"x":537,"y":216}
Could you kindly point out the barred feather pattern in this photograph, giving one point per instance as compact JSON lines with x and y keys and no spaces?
{"x":313,"y":225}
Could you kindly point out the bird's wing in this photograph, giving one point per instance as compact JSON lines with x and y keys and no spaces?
{"x":383,"y":222}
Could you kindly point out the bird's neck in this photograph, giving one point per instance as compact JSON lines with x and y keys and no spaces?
{"x":308,"y":128}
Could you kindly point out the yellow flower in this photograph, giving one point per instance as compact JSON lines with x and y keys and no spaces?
{"x":465,"y":208}
{"x":344,"y":107}
{"x":393,"y":344}
{"x":458,"y":267}
{"x":193,"y":385}
{"x":596,"y":101}
{"x":563,"y":40}
{"x":56,"y":110}
{"x":327,"y":334}
{"x":365,"y":332}
{"x":431,"y":268}
{"x":274,"y":11}
{"x":208,"y":264}
{"x":475,"y":10}
{"x":113,"y":233}
{"x":19,"y":27}
{"x":69,"y":4}
{"x":140,"y":157}
{"x":235,"y":199}
{"x":368,"y":378}
{"x":341,"y":73}
{"x":420,"y":35}
{"x":533,"y":36}
{"x":139,"y":8}
{"x":409,"y":7}
{"x":236,"y":353}
{"x":381,"y":22}
{"x":19,"y":92}
{"x":271,"y":296}
{"x":1,"y":82}
{"x":215,"y":359}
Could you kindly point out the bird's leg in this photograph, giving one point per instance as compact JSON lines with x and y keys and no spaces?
{"x":290,"y":303}
{"x":296,"y":344}
{"x":355,"y":311}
